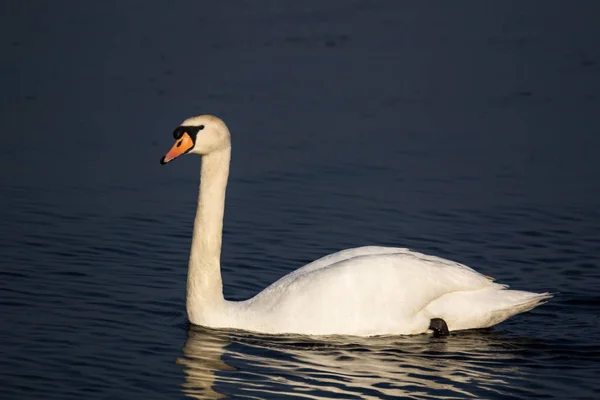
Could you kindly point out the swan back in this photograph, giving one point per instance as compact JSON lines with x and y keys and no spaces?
{"x":363,"y":291}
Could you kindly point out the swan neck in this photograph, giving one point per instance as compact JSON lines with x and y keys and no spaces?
{"x":205,"y":285}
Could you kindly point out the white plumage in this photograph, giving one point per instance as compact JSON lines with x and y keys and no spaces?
{"x":362,"y":291}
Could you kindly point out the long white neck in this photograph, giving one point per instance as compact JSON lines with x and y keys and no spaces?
{"x":204,"y":284}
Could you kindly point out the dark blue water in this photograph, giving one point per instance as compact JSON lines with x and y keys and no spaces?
{"x":463,"y":130}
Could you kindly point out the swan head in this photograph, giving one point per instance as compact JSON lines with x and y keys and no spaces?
{"x":201,"y":135}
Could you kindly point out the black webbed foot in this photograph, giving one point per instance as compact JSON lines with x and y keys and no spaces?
{"x":439,"y":327}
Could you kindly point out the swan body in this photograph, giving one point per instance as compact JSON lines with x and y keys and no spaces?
{"x":363,"y":291}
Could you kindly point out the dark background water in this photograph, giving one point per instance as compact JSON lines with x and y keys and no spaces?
{"x":467,"y":130}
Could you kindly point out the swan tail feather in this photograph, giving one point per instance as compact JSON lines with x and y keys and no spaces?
{"x":483,"y":308}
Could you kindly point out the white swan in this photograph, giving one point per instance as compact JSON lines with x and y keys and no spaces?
{"x":363,"y":291}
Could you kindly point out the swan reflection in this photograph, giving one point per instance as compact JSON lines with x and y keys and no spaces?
{"x":222,"y":364}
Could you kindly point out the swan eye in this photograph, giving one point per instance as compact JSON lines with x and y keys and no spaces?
{"x":190,"y":130}
{"x":178,"y":132}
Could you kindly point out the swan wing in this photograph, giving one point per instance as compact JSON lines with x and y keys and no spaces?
{"x":344,"y":255}
{"x":362,"y":291}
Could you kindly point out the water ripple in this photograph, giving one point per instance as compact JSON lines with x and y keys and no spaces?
{"x":468,"y":364}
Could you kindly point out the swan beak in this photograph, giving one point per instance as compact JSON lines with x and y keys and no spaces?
{"x":181,"y":146}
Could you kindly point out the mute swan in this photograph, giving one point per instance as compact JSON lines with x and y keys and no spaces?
{"x":363,"y":291}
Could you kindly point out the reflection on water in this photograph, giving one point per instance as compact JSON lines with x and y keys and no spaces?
{"x":203,"y":359}
{"x":220,"y":364}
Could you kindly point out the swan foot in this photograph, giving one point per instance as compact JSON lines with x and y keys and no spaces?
{"x":439,"y":327}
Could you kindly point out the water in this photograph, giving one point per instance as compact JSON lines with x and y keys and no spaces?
{"x":465,"y":131}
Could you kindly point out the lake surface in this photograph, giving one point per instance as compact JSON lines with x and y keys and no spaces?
{"x":463,"y":130}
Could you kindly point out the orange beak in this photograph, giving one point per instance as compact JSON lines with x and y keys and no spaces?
{"x":181,"y":146}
